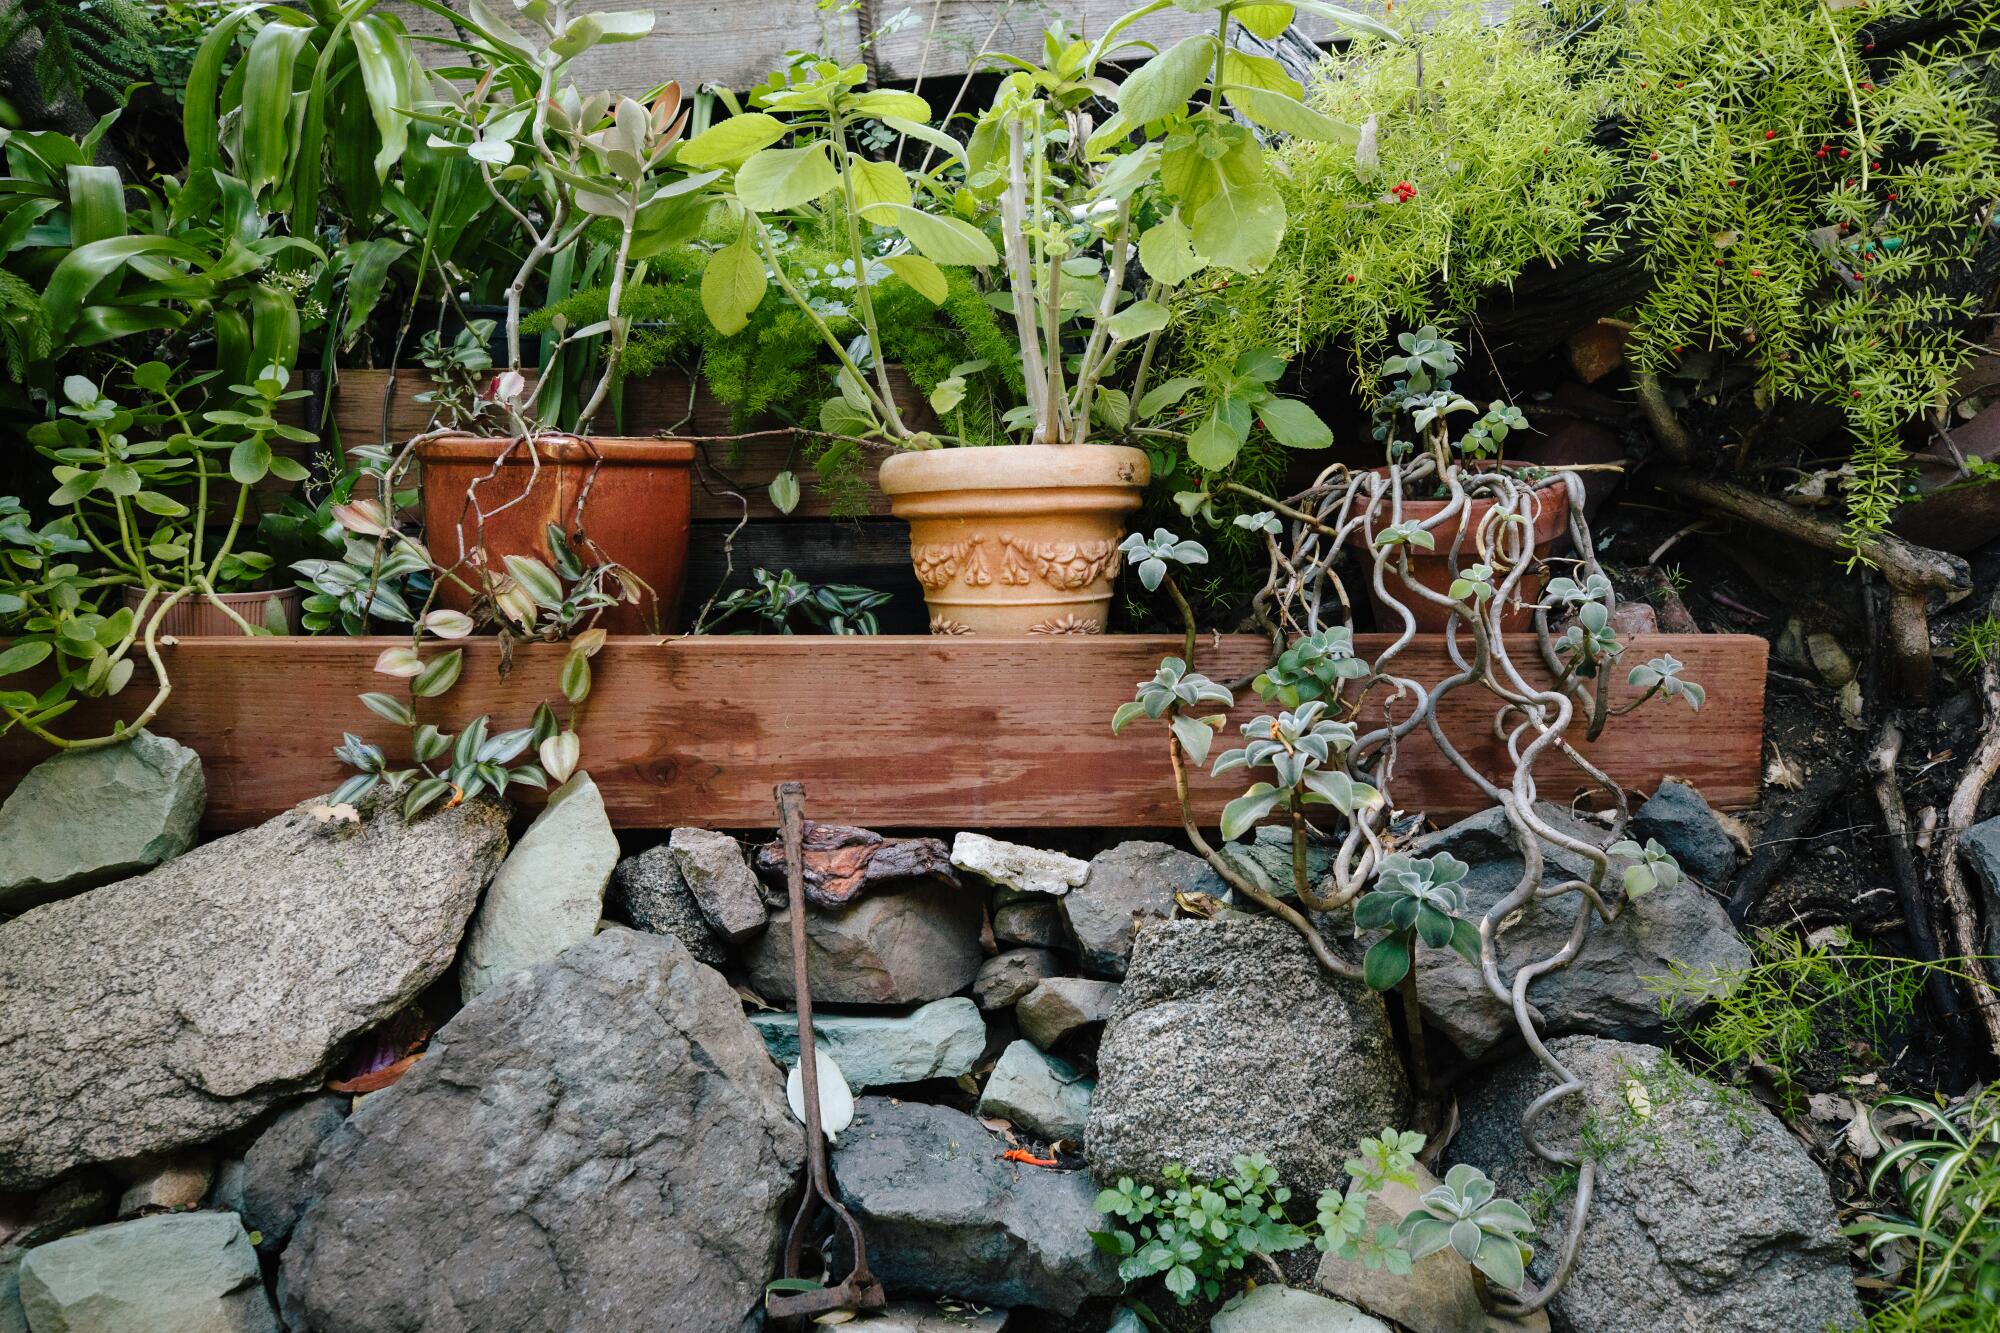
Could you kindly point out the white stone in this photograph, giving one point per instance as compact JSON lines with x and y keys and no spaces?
{"x":1023,"y":869}
{"x":1274,"y":1309}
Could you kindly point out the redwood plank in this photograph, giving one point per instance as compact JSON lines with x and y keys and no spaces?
{"x":893,"y":732}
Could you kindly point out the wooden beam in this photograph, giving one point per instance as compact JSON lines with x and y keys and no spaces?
{"x":903,"y":732}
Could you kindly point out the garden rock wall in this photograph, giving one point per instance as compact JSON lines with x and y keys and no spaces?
{"x":408,"y":1126}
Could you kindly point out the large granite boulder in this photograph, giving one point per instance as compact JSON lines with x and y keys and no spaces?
{"x":647,"y":892}
{"x":943,"y":1039}
{"x":1708,"y":1212}
{"x":270,"y":1185}
{"x":917,"y":944}
{"x":174,"y":1273}
{"x":88,"y":817}
{"x":598,"y":1142}
{"x":1603,"y":990}
{"x":945,"y":1216}
{"x":549,"y":894}
{"x":1131,"y":884}
{"x":167,"y":1010}
{"x":1228,"y":1038}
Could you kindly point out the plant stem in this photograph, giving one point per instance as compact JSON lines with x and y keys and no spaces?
{"x":1413,"y":1025}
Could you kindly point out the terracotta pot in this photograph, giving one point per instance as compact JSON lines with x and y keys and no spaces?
{"x":1433,"y":568}
{"x":197,"y":617}
{"x":637,"y":511}
{"x":1016,"y":538}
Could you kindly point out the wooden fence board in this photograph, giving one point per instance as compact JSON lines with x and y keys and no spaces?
{"x":895,"y":732}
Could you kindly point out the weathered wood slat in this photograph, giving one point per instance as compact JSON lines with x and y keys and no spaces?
{"x":886,"y":733}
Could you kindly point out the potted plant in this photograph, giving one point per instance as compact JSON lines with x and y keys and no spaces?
{"x":565,"y":168}
{"x":1095,"y":222}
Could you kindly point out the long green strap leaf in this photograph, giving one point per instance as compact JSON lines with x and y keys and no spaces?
{"x":201,"y":121}
{"x":83,"y":268}
{"x":269,"y":74}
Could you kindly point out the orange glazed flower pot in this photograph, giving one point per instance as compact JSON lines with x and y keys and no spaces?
{"x":1016,"y":538}
{"x":1433,"y":568}
{"x":637,"y":511}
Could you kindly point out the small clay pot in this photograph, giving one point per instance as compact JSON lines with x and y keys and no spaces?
{"x":1017,"y":538}
{"x":1433,"y":568}
{"x":638,"y":510}
{"x":197,"y":617}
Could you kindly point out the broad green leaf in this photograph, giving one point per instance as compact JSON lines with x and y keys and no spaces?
{"x":925,"y":134}
{"x":200,"y":116}
{"x":1126,"y":712}
{"x":1214,"y":443}
{"x":922,"y":274}
{"x":1195,"y":737}
{"x":96,"y":203}
{"x":249,"y":462}
{"x":1162,"y":86}
{"x":390,"y":707}
{"x":727,"y":143}
{"x":884,"y":102}
{"x":1137,"y":320}
{"x":1164,"y":395}
{"x":365,"y":277}
{"x":1167,"y":250}
{"x":1267,"y":21}
{"x":1293,"y":424}
{"x":1386,"y":963}
{"x":942,"y":240}
{"x":733,"y":283}
{"x":83,"y":268}
{"x":877,"y":183}
{"x":438,"y":675}
{"x":776,"y":179}
{"x":1250,"y":71}
{"x":1277,"y":111}
{"x":1234,"y":213}
{"x":265,"y":117}
{"x":424,"y":794}
{"x":1348,"y":18}
{"x":537,"y":578}
{"x":22,"y":656}
{"x":575,"y":680}
{"x":1241,"y":814}
{"x":784,"y":491}
{"x":382,"y":52}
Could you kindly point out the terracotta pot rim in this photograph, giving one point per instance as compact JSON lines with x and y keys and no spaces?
{"x":1016,"y":467}
{"x":614,"y":450}
{"x":196,"y":595}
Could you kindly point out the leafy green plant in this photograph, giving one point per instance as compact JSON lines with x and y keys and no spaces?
{"x":1939,"y":1234}
{"x":1196,"y":1237}
{"x":831,"y":608}
{"x":1415,"y":899}
{"x":1313,"y":666}
{"x":1343,"y":1215}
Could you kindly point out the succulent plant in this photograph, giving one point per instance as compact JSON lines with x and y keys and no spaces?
{"x":1486,"y":1231}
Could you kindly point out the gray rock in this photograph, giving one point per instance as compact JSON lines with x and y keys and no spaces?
{"x":1228,"y":1038}
{"x":165,"y":1011}
{"x":647,"y":891}
{"x":1006,"y":977}
{"x":1835,"y":667}
{"x":1134,"y":882}
{"x":1062,"y":1005}
{"x":599,"y":1142}
{"x":943,"y":1039}
{"x":1038,"y":1093}
{"x":1602,"y":991}
{"x":1979,"y":847}
{"x":1022,"y":869}
{"x":907,"y":947}
{"x":1686,"y":826}
{"x":88,"y":817}
{"x":714,"y":869}
{"x":549,"y":894}
{"x":914,"y":1317}
{"x":170,"y":1184}
{"x":1276,"y":1309}
{"x":79,"y":1199}
{"x":946,"y":1217}
{"x":270,"y":1185}
{"x":1266,"y":859}
{"x":1036,"y":922}
{"x":1708,"y":1213}
{"x":174,"y":1273}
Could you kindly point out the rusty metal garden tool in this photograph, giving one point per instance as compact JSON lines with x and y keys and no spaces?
{"x":860,"y":1289}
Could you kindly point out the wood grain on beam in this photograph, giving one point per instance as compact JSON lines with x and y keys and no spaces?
{"x":886,"y":733}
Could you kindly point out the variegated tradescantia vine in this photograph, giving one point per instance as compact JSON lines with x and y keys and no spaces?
{"x":1326,"y":759}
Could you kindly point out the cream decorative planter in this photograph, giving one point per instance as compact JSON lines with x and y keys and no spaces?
{"x":1016,"y":538}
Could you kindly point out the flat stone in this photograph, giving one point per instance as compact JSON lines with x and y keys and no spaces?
{"x":1229,"y":1039}
{"x":597,"y":1142}
{"x":1063,"y":1005}
{"x":1131,"y":883}
{"x":842,"y":863}
{"x":1437,"y":1295}
{"x":79,"y":1199}
{"x":918,"y":944}
{"x":549,"y":894}
{"x":943,"y":1039}
{"x":1708,"y":1213}
{"x":713,"y":868}
{"x":1035,"y":922}
{"x":192,"y":1272}
{"x":171,"y":1184}
{"x":1022,"y":869}
{"x":1275,"y":1309}
{"x":946,"y":1217}
{"x":270,"y":1185}
{"x":941,"y":1316}
{"x":87,"y":817}
{"x":648,"y":893}
{"x":165,"y":1011}
{"x":1684,"y":824}
{"x":1005,"y":978}
{"x":1602,"y":991}
{"x":1038,"y":1093}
